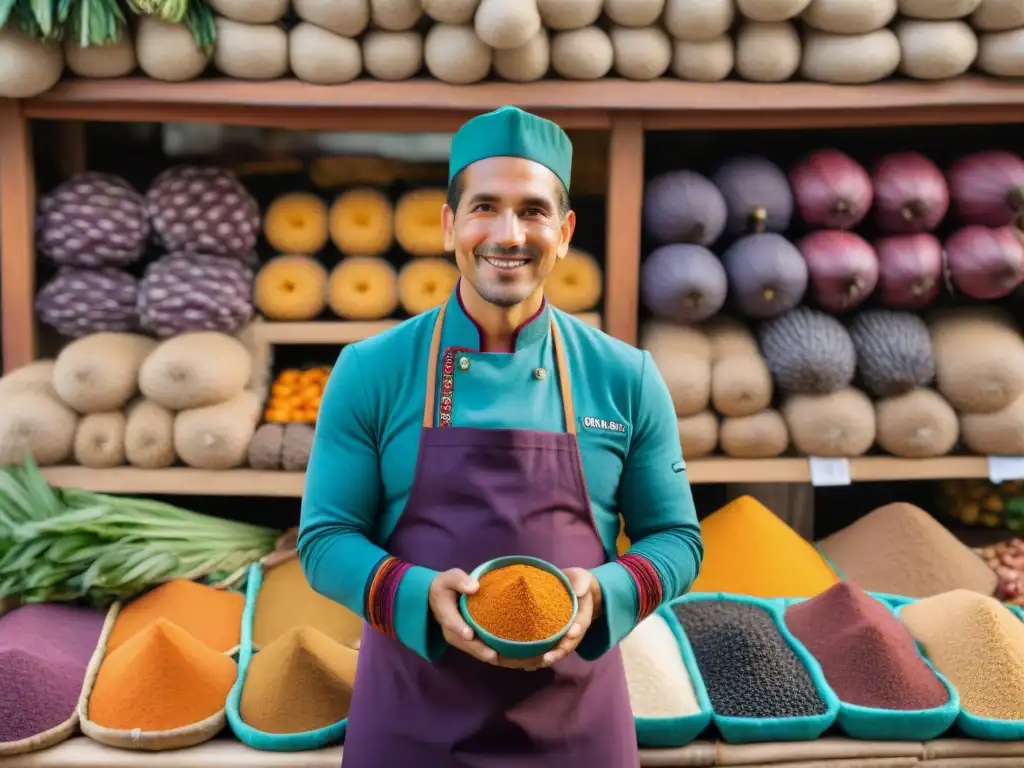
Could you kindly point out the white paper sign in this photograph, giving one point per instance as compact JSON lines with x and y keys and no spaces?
{"x":829,"y":472}
{"x":1003,"y":468}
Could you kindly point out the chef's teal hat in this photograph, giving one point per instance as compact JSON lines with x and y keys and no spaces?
{"x":511,"y":132}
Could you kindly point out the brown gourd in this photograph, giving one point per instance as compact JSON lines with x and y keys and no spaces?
{"x":741,"y":384}
{"x":936,"y":50}
{"x":1000,"y":433}
{"x":418,"y":221}
{"x":363,"y":288}
{"x":854,"y":59}
{"x":698,"y":20}
{"x":392,"y":56}
{"x":395,"y":15}
{"x":840,"y":424}
{"x":217,"y":436}
{"x":450,"y":11}
{"x":36,"y":376}
{"x":998,"y":15}
{"x":99,"y":440}
{"x":30,"y":67}
{"x":96,"y":62}
{"x":808,"y":351}
{"x":361,"y":222}
{"x":682,"y":355}
{"x":195,"y":370}
{"x":296,"y":223}
{"x":894,"y":351}
{"x":321,"y":57}
{"x":771,"y":10}
{"x":252,"y":11}
{"x":149,"y":435}
{"x":1001,"y":54}
{"x":918,"y":424}
{"x":99,"y":372}
{"x":347,"y":18}
{"x":290,"y":288}
{"x":168,"y":51}
{"x":633,"y":13}
{"x":698,"y":434}
{"x":767,"y":52}
{"x":527,"y":63}
{"x":708,"y":61}
{"x":558,"y":15}
{"x":979,"y":358}
{"x":641,"y":53}
{"x":761,"y":435}
{"x":849,"y":17}
{"x":251,"y":51}
{"x":938,"y":10}
{"x":426,"y":283}
{"x":35,"y":424}
{"x":296,"y":444}
{"x":502,"y":25}
{"x":582,"y":54}
{"x":454,"y":54}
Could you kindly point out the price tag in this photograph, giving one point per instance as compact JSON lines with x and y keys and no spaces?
{"x":829,"y":472}
{"x":1003,"y":468}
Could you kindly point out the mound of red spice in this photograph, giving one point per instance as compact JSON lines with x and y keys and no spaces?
{"x":868,"y":656}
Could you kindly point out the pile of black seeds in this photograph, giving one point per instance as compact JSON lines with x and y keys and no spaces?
{"x":749,"y":669}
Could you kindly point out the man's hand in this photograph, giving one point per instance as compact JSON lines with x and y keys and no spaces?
{"x":443,"y":598}
{"x":588,"y":595}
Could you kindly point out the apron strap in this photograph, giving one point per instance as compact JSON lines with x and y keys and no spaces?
{"x":561,"y":361}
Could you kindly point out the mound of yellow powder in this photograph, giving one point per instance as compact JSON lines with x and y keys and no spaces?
{"x":748,"y":550}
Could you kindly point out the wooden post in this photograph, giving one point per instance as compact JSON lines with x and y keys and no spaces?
{"x":624,"y":212}
{"x":17,"y":237}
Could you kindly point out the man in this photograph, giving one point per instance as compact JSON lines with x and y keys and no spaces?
{"x":495,"y":425}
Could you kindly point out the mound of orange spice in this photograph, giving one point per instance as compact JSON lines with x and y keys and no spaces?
{"x":295,"y":395}
{"x":521,"y":603}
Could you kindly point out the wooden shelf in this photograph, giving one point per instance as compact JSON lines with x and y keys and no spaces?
{"x":345,"y":332}
{"x":669,"y":103}
{"x":251,"y":482}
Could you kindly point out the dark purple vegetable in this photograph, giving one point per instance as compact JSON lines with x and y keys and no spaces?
{"x":77,"y":302}
{"x":683,"y":283}
{"x":987,"y":187}
{"x":684,"y":207}
{"x":985,"y":263}
{"x":767,"y":274}
{"x":843,"y":268}
{"x":831,"y":189}
{"x":757,"y":195}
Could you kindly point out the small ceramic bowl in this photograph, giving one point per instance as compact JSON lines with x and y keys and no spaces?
{"x":513,"y":649}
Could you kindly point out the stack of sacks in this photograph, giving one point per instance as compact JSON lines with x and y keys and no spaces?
{"x":715,"y":372}
{"x":979,"y":367}
{"x":111,"y":399}
{"x":813,"y":361}
{"x":1000,"y":28}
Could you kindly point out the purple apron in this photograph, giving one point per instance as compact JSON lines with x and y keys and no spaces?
{"x":478,"y":494}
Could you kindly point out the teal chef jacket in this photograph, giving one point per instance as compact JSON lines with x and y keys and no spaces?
{"x":367,"y":437}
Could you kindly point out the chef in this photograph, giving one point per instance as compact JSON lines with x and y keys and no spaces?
{"x":495,"y":425}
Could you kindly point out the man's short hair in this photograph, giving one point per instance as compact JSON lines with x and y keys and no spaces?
{"x":455,"y":194}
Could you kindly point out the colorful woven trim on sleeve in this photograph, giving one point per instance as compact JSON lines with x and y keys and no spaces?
{"x":648,"y":583}
{"x":380,"y":597}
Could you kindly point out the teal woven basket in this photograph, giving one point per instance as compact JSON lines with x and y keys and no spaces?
{"x":252,"y":737}
{"x":975,"y":726}
{"x":669,"y":732}
{"x":874,"y":724}
{"x":742,"y":730}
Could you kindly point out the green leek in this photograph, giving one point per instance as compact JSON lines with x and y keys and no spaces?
{"x":68,"y":544}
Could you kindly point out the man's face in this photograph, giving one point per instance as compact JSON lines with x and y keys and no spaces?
{"x":508,"y":231}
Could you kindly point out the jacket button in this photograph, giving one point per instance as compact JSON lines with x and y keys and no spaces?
{"x":539,"y":373}
{"x":464,"y":363}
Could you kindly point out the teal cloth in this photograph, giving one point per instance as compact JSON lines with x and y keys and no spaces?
{"x":253,"y":737}
{"x":511,"y":132}
{"x":367,"y":439}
